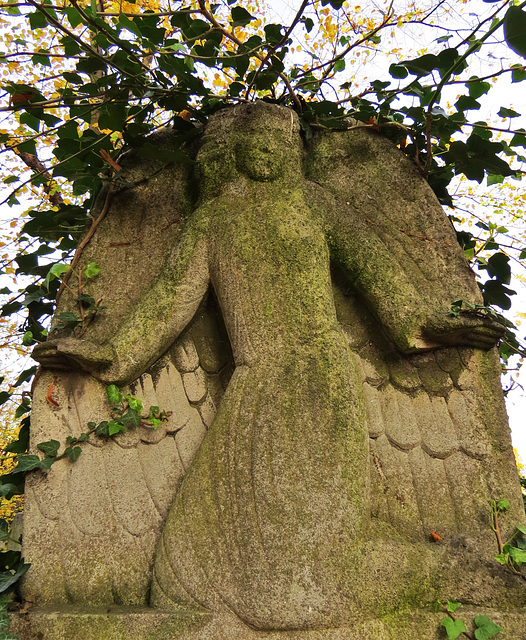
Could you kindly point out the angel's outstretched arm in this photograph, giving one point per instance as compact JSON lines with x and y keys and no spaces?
{"x":151,"y":325}
{"x":411,"y":318}
{"x":376,"y":275}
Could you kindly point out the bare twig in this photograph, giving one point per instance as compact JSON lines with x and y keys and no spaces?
{"x":80,"y":248}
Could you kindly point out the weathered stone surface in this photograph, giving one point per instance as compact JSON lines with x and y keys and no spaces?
{"x":360,"y":416}
{"x":135,"y":624}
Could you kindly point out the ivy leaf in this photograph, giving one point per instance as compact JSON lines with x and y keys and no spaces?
{"x":503,"y":505}
{"x":4,"y":530}
{"x":73,"y":453}
{"x":7,"y":579}
{"x":102,"y":429}
{"x":46,"y":463}
{"x":515,"y":30}
{"x":114,"y":395}
{"x":67,"y":320}
{"x":92,"y":270}
{"x":240,"y":17}
{"x":453,"y":627}
{"x":27,"y":463}
{"x":453,"y":606}
{"x":115,"y":427}
{"x":508,"y":113}
{"x":398,"y":71}
{"x":134,"y":403}
{"x":56,"y":271}
{"x":485,"y":628}
{"x":517,"y":555}
{"x":131,"y":419}
{"x":49,"y":448}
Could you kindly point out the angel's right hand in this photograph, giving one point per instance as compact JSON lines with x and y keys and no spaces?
{"x":73,"y":353}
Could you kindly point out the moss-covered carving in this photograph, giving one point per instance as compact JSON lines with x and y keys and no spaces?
{"x":354,"y":392}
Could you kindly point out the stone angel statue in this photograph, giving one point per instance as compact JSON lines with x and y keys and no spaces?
{"x":289,"y":303}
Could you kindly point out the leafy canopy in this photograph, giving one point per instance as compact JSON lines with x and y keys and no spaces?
{"x":82,"y":78}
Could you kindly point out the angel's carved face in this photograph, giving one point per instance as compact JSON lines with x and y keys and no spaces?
{"x":260,"y":155}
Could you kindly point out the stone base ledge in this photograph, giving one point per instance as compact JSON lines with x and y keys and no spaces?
{"x":132,"y":623}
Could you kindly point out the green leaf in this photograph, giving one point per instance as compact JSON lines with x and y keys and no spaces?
{"x":102,"y":429}
{"x":498,"y":266}
{"x":131,"y":25}
{"x":131,"y":419}
{"x":515,"y":30}
{"x":66,"y":320}
{"x":74,"y":16}
{"x":240,"y":17}
{"x":7,"y":488}
{"x":115,"y":427}
{"x":508,"y":113}
{"x":518,"y":555}
{"x":518,"y":140}
{"x":452,"y":606}
{"x":92,"y":270}
{"x":273,"y":34}
{"x":398,"y":71}
{"x":465,"y":103}
{"x":22,"y":408}
{"x":453,"y":627}
{"x":309,"y":24}
{"x":521,"y":528}
{"x":502,"y":558}
{"x":28,"y":339}
{"x":114,"y":395}
{"x":88,"y":302}
{"x":477,"y":88}
{"x":31,"y":121}
{"x":422,"y":66}
{"x":73,"y":453}
{"x":46,"y":463}
{"x":485,"y":628}
{"x":27,"y":463}
{"x":503,"y":505}
{"x":113,"y":116}
{"x":4,"y":530}
{"x":37,"y":20}
{"x":134,"y":403}
{"x":339,"y":65}
{"x":56,"y":271}
{"x":7,"y":579}
{"x":49,"y":448}
{"x":518,"y":74}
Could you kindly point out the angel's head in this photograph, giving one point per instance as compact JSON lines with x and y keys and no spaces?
{"x":260,"y":141}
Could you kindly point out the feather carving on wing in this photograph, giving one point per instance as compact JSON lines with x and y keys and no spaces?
{"x":434,"y":418}
{"x":110,"y":504}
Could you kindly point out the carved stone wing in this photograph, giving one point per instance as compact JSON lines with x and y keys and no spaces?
{"x":367,"y":173}
{"x":84,"y":520}
{"x":437,"y":422}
